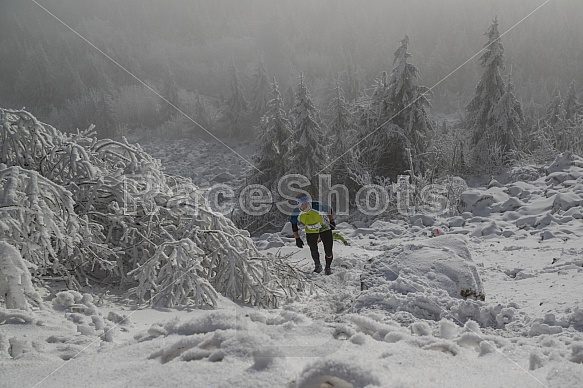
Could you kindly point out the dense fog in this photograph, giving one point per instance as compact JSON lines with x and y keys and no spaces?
{"x":46,"y":67}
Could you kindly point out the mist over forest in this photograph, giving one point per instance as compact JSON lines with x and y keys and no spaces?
{"x":54,"y":73}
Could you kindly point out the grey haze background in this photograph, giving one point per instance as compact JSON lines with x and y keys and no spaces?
{"x":191,"y":46}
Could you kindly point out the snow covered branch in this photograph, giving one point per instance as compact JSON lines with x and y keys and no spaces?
{"x":84,"y":209}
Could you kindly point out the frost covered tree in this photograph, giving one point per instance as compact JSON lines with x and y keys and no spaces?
{"x":531,"y":120}
{"x":39,"y":219}
{"x":380,"y":105}
{"x":260,"y":90}
{"x":85,"y":209}
{"x":15,"y":280}
{"x":340,"y":127}
{"x":275,"y":128}
{"x":106,"y":120}
{"x":288,"y":97}
{"x":554,"y":112}
{"x":410,"y":103}
{"x":37,"y":79}
{"x":509,"y":121}
{"x":401,"y":127}
{"x":572,"y":107}
{"x":480,"y":117}
{"x":306,"y":153}
{"x":236,"y":111}
{"x":171,"y":277}
{"x":368,"y":112}
{"x":170,"y":92}
{"x":342,"y":135}
{"x":353,"y":80}
{"x":562,"y":117}
{"x":202,"y":113}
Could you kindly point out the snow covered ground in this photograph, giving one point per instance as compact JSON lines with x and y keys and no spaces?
{"x":391,"y":314}
{"x":206,"y":163}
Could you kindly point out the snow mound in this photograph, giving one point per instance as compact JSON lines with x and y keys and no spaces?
{"x":269,"y":240}
{"x":442,"y":263}
{"x":204,"y":323}
{"x":215,"y":347}
{"x":15,"y":316}
{"x":80,"y":309}
{"x":212,"y":337}
{"x":480,"y":202}
{"x":337,"y":374}
{"x":429,"y":280}
{"x":564,"y":162}
{"x":564,"y":376}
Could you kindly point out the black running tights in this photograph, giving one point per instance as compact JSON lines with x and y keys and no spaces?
{"x":327,"y":240}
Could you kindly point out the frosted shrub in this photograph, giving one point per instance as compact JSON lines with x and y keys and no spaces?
{"x":87,"y":209}
{"x":24,"y":141}
{"x":39,"y":219}
{"x":172,"y":276}
{"x":15,"y":280}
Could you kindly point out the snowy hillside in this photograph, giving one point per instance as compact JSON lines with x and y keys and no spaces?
{"x":163,"y":229}
{"x":492,"y":300}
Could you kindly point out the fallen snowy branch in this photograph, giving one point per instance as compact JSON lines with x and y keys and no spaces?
{"x":87,"y":209}
{"x":15,"y":316}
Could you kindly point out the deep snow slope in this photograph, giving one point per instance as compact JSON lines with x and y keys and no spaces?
{"x":392,"y":314}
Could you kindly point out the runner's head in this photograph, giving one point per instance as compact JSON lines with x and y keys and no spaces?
{"x":304,"y":203}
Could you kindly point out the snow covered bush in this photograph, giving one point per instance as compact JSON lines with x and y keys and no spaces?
{"x":39,"y":219}
{"x":87,"y":209}
{"x":171,"y":276}
{"x":235,"y":267}
{"x":24,"y":140}
{"x":15,"y":280}
{"x":68,"y":163}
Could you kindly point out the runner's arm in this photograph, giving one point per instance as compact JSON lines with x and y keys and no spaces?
{"x":294,"y":222}
{"x":329,"y":213}
{"x":295,"y":230}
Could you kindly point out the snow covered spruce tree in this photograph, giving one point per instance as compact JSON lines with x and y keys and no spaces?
{"x":563,"y":121}
{"x":509,"y":120}
{"x":100,"y":210}
{"x":410,"y":104}
{"x":260,"y":90}
{"x":235,"y":114}
{"x":106,"y":120}
{"x":36,"y":78}
{"x":342,"y":135}
{"x":554,"y":112}
{"x":572,"y":107}
{"x":401,"y":127}
{"x":353,"y":79}
{"x":274,"y":129}
{"x":480,"y":117}
{"x":306,"y":147}
{"x":340,"y":127}
{"x":170,"y":93}
{"x":198,"y":109}
{"x":573,"y":110}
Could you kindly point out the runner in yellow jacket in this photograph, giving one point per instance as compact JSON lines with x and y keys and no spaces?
{"x":318,"y":220}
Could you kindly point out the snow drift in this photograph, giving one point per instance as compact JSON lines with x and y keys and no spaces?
{"x":442,"y":263}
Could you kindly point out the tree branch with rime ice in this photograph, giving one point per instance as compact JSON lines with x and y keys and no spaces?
{"x":102,"y":210}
